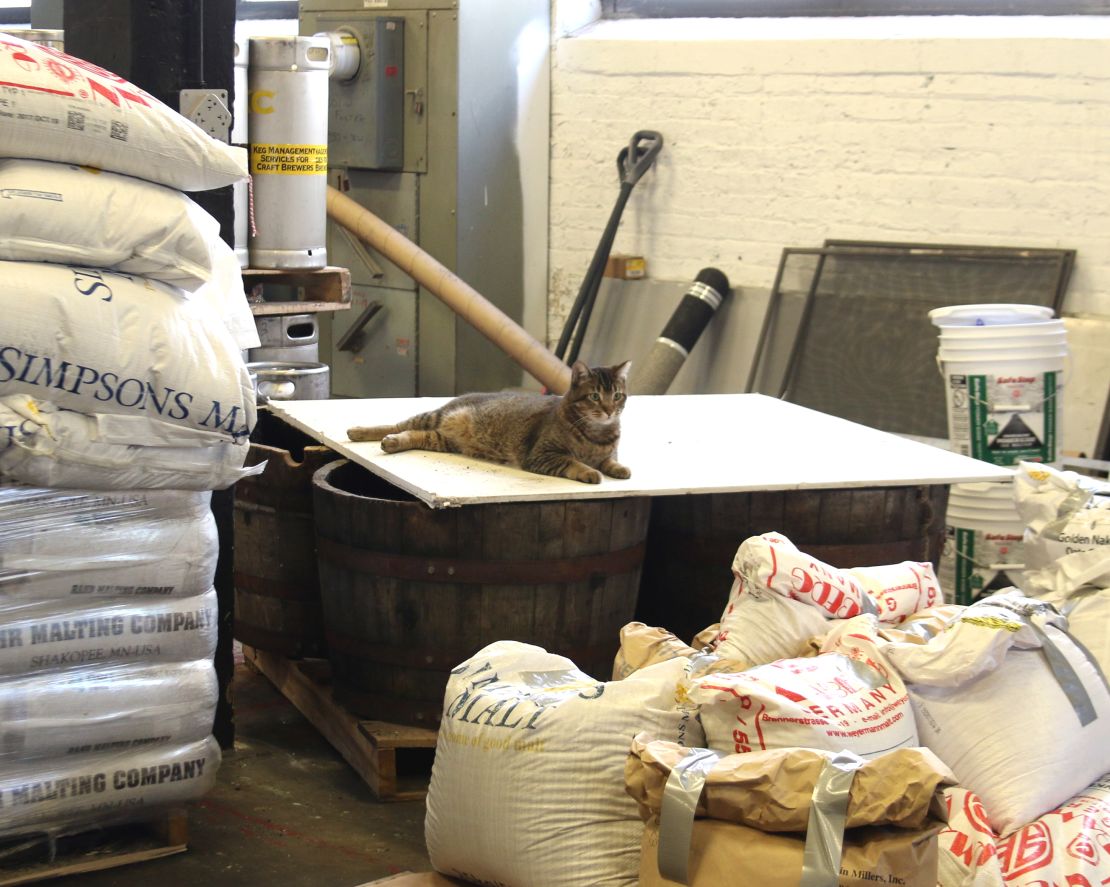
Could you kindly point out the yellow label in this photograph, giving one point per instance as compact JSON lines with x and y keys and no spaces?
{"x":260,"y":101}
{"x":289,"y":160}
{"x":992,"y":622}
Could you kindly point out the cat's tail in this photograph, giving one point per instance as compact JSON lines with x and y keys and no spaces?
{"x":422,"y":422}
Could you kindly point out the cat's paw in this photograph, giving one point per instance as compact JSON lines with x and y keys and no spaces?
{"x":358,"y":433}
{"x":620,"y":472}
{"x":587,"y":476}
{"x":390,"y":444}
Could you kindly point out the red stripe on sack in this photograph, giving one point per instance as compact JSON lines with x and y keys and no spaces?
{"x":36,"y":88}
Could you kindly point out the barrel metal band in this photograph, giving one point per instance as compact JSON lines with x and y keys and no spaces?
{"x":440,"y":658}
{"x":275,"y":641}
{"x":286,"y":591}
{"x":417,"y":568}
{"x":692,"y":549}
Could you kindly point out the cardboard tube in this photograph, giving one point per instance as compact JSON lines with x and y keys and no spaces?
{"x":460,"y":297}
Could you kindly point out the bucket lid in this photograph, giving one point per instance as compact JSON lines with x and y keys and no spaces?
{"x":989,"y":314}
{"x":1003,"y":330}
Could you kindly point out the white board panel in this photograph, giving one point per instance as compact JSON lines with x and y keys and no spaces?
{"x":674,"y":445}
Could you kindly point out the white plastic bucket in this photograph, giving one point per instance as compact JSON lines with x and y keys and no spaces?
{"x":983,"y":543}
{"x":1003,"y":369}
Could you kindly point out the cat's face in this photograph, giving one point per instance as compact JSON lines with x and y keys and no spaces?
{"x":598,"y":393}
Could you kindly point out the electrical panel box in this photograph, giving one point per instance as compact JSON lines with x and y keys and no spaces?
{"x":443,"y":133}
{"x":365,"y":112}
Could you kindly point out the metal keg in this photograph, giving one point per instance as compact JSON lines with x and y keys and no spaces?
{"x":290,"y":380}
{"x":240,"y":191}
{"x":287,"y":123}
{"x":55,"y":39}
{"x":287,"y":337}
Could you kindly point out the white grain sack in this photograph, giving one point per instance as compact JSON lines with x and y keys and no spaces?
{"x":43,"y":446}
{"x":69,"y":792}
{"x":75,"y":544}
{"x":105,"y":709}
{"x":831,"y":702}
{"x":760,"y":626}
{"x":781,"y":597}
{"x":99,"y":342}
{"x":39,"y":637}
{"x":527,"y":787}
{"x":57,"y":107}
{"x":1078,"y":585}
{"x":990,"y":706}
{"x":77,"y":215}
{"x":1064,"y":513}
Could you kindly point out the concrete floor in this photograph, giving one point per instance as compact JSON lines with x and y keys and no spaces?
{"x":287,"y":810}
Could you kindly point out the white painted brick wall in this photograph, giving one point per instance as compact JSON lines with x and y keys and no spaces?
{"x":777,"y":134}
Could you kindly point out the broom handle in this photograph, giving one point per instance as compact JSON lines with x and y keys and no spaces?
{"x":459,"y":296}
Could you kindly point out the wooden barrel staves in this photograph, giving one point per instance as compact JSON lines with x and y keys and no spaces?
{"x":277,"y":586}
{"x":692,"y":540}
{"x":409,"y":591}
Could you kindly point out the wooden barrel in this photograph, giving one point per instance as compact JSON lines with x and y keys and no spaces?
{"x":409,"y":591}
{"x":277,"y":586}
{"x":692,"y":540}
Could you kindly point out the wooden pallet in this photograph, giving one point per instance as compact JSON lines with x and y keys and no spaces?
{"x":393,"y":760}
{"x":39,"y":858}
{"x":324,"y":289}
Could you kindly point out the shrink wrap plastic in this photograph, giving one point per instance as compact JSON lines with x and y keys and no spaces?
{"x":57,"y":635}
{"x":71,"y":794}
{"x":111,"y":708}
{"x":45,"y":446}
{"x":79,"y":544}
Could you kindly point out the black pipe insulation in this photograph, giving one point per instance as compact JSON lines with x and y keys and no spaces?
{"x":654,"y":374}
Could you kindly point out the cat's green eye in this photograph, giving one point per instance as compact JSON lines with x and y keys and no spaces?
{"x":595,"y":397}
{"x":617,"y":395}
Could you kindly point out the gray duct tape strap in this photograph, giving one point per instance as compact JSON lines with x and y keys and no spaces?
{"x":867,"y":604}
{"x":1065,"y":674}
{"x":827,"y":813}
{"x":676,"y":818}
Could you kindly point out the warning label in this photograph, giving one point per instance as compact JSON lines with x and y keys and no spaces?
{"x":289,"y":160}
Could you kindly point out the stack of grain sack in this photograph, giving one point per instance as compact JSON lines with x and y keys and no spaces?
{"x":124,"y":401}
{"x":838,"y":727}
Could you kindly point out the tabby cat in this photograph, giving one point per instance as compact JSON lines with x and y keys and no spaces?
{"x":573,"y":436}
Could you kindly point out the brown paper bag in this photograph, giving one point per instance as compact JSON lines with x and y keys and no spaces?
{"x":754,"y":810}
{"x":643,"y":645}
{"x":724,"y":853}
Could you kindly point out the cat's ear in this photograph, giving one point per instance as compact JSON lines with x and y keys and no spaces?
{"x":579,"y":373}
{"x":621,"y":370}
